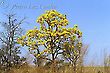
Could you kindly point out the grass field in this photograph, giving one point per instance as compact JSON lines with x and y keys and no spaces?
{"x":27,"y":69}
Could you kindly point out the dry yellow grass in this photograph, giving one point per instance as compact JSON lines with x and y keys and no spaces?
{"x":27,"y":69}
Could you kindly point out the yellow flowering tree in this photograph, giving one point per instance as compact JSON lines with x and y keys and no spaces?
{"x":53,"y":36}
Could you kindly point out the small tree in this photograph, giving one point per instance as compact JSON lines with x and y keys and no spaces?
{"x":53,"y":37}
{"x":9,"y":49}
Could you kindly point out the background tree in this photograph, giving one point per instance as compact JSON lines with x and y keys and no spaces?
{"x":74,"y":53}
{"x":9,"y":52}
{"x":53,"y":37}
{"x":106,"y":62}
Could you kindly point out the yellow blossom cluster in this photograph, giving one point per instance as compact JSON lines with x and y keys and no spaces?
{"x":53,"y":18}
{"x":32,"y":33}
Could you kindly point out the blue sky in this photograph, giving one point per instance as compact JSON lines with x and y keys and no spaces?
{"x":92,"y":16}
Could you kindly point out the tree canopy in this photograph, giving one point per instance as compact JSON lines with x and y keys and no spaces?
{"x":53,"y":35}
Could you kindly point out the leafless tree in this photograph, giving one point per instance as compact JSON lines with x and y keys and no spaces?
{"x":9,"y":51}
